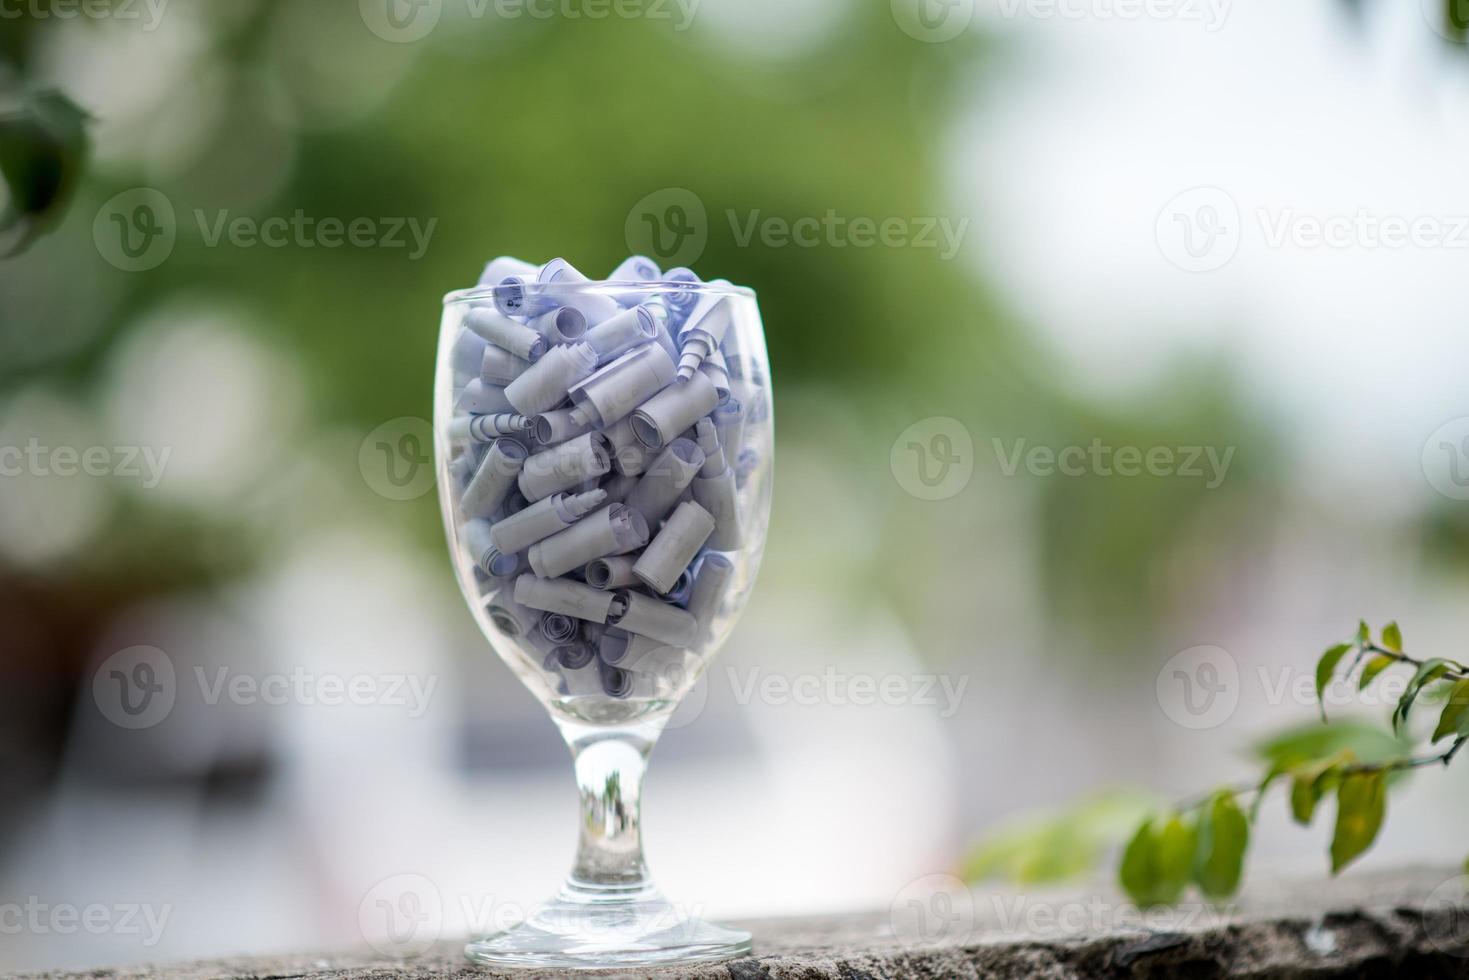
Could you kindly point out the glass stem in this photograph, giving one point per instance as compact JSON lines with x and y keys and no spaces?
{"x":609,"y":776}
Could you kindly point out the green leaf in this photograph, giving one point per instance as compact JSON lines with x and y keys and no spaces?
{"x":1303,"y":799}
{"x":1431,"y":671}
{"x":1455,"y":717}
{"x":1361,"y":803}
{"x":1325,"y":667}
{"x":1053,"y":846}
{"x":1364,"y":633}
{"x":1313,"y":743}
{"x":1392,"y":637}
{"x":1156,"y":864}
{"x":1223,"y":836}
{"x":1374,"y":667}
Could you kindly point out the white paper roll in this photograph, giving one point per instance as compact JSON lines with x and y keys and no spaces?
{"x":611,"y":392}
{"x":544,"y":386}
{"x":711,"y":579}
{"x":614,"y":529}
{"x":666,"y":478}
{"x":506,"y":334}
{"x":500,"y":367}
{"x":563,"y":325}
{"x":498,"y":268}
{"x":543,"y":518}
{"x":482,"y":551}
{"x":559,"y":628}
{"x":560,"y":281}
{"x":562,"y":595}
{"x":510,"y":617}
{"x":674,"y":547}
{"x":636,"y":268}
{"x":479,"y":398}
{"x":558,"y":425}
{"x":521,"y":296}
{"x":674,"y":409}
{"x":487,"y":428}
{"x":645,"y":616}
{"x":729,"y":423}
{"x":716,"y":494}
{"x":619,"y":334}
{"x":493,"y":479}
{"x":618,"y":485}
{"x":565,"y":466}
{"x":465,"y":358}
{"x":611,"y":573}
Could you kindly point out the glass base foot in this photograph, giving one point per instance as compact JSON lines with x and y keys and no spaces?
{"x":583,"y":935}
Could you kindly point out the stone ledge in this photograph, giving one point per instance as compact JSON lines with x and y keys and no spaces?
{"x":1410,"y":923}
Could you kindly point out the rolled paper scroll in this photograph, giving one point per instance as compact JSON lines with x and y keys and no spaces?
{"x":610,"y":393}
{"x":682,"y":589}
{"x":544,"y":386}
{"x":493,"y":479}
{"x":674,"y":409}
{"x":558,"y":425}
{"x":611,"y":573}
{"x":497,"y":269}
{"x":729,"y":425}
{"x":703,"y":331}
{"x":666,"y":479}
{"x":714,"y":368}
{"x":645,"y":616}
{"x":512,"y":618}
{"x":717,"y":495}
{"x":563,"y":325}
{"x":661,"y":317}
{"x":466,"y":356}
{"x":479,"y":398}
{"x":613,"y":645}
{"x":619,"y":485}
{"x":461,"y":468}
{"x":488,"y":428}
{"x":544,"y":518}
{"x":681,"y":301}
{"x":506,"y":334}
{"x":612,"y":530}
{"x":711,"y":578}
{"x":631,"y":461}
{"x":646,"y":655}
{"x":616,"y":683}
{"x":593,"y":632}
{"x":489,"y":559}
{"x":500,"y":367}
{"x":581,"y":671}
{"x":707,"y":438}
{"x":565,"y":466}
{"x":617,"y":335}
{"x":559,"y":280}
{"x":519,"y":295}
{"x":636,"y":268}
{"x":674,"y":547}
{"x":559,"y":629}
{"x":562,"y":595}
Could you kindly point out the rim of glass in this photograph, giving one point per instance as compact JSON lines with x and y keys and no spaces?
{"x":621,"y":286}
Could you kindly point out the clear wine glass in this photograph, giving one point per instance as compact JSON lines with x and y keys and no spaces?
{"x":612,"y":644}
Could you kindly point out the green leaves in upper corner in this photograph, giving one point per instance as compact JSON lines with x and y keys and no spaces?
{"x":1325,"y":668}
{"x":1206,"y":849}
{"x":1431,"y":671}
{"x":43,"y":149}
{"x":1392,"y":637}
{"x":1057,"y":846}
{"x":1361,"y":804}
{"x":1375,"y":666}
{"x":1455,"y":717}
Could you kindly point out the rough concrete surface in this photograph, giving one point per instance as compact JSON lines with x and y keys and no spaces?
{"x":1403,"y":924}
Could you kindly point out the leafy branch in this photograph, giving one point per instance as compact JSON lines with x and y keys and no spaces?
{"x":1202,"y":841}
